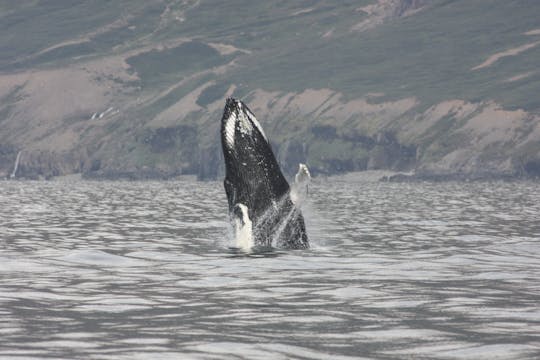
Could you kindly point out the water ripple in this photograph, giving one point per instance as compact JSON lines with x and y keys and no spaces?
{"x":137,"y":270}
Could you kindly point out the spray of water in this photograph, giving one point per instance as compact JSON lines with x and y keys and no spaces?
{"x":272,"y":226}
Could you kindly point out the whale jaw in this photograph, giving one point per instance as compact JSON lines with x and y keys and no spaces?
{"x":254,"y":180}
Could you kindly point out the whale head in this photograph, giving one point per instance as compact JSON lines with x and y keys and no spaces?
{"x":239,"y":121}
{"x":252,"y":173}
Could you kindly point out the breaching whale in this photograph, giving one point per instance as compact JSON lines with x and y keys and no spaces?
{"x":258,"y":194}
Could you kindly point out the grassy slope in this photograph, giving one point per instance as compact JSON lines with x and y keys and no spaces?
{"x":29,"y":27}
{"x":428,"y":55}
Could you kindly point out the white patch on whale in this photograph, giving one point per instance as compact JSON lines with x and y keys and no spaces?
{"x":243,"y":228}
{"x":244,"y":125}
{"x":254,"y":121}
{"x":229,"y":129}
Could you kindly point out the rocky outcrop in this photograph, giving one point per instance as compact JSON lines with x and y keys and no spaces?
{"x":8,"y":156}
{"x":291,"y":153}
{"x":531,"y":168}
{"x":452,"y":140}
{"x":211,"y":164}
{"x":36,"y":165}
{"x":388,"y":153}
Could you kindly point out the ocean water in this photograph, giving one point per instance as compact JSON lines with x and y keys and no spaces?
{"x":128,"y":270}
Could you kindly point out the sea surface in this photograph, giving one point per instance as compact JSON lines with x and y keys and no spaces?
{"x":147,"y":270}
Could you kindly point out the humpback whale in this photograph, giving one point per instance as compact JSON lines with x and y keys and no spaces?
{"x":260,"y":205}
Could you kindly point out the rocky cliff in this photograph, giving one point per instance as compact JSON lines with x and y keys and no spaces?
{"x":135,"y":89}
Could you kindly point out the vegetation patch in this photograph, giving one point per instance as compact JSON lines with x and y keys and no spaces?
{"x":158,"y":67}
{"x":212,"y":93}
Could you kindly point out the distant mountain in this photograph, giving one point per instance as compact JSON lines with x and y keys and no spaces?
{"x":135,"y":89}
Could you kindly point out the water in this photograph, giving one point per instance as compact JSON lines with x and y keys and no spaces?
{"x":101,"y":270}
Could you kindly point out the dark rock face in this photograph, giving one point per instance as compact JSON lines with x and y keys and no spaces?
{"x":172,"y":151}
{"x":328,"y":151}
{"x":325,"y":151}
{"x":211,"y":163}
{"x":8,"y":154}
{"x":532,"y":168}
{"x":166,"y":138}
{"x":154,"y":153}
{"x":48,"y":164}
{"x":388,"y":153}
{"x":290,"y":154}
{"x":35,"y":165}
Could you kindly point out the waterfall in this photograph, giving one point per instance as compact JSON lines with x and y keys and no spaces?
{"x":16,"y":165}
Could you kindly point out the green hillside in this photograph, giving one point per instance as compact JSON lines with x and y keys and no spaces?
{"x":440,"y":87}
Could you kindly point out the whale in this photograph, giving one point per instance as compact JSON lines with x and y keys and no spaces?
{"x":258,"y":195}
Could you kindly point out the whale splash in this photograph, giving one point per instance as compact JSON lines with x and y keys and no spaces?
{"x":300,"y":188}
{"x":261,"y":209}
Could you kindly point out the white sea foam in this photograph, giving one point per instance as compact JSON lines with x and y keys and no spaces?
{"x":299,"y":189}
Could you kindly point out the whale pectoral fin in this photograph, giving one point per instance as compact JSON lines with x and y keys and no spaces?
{"x":301,"y":185}
{"x":243,"y":227}
{"x":231,"y":193}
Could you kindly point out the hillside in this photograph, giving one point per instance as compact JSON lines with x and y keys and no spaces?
{"x":135,"y":89}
